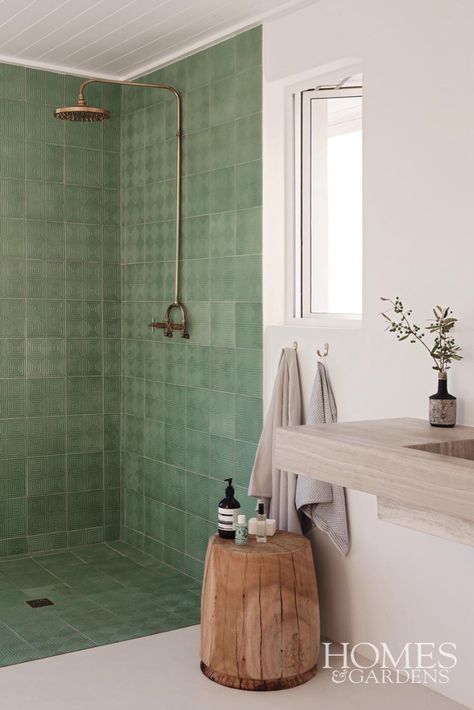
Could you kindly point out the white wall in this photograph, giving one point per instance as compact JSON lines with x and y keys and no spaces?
{"x":417,"y":59}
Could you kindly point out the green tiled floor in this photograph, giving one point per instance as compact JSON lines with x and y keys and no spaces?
{"x":102,"y":594}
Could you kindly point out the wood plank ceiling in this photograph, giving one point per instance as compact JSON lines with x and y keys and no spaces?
{"x":121,"y":38}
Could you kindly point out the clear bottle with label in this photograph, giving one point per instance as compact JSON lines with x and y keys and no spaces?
{"x":228,"y":510}
{"x":241,"y":531}
{"x":261,"y":532}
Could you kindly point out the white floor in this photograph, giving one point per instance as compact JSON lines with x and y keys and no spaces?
{"x":162,"y":672}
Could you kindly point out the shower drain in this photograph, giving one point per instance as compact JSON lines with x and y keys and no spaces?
{"x":37,"y":603}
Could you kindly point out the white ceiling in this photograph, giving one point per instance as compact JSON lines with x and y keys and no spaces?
{"x":121,"y":39}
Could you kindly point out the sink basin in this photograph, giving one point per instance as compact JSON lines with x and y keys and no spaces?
{"x":457,"y":449}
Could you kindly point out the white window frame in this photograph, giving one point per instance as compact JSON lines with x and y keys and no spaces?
{"x":301,"y":257}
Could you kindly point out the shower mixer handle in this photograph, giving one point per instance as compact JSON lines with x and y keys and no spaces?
{"x":168,"y":326}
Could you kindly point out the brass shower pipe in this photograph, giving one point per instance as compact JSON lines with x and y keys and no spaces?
{"x":83,"y":112}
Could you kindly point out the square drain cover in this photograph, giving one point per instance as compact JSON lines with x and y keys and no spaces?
{"x":36,"y":603}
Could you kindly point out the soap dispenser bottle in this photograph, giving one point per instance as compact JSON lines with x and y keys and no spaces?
{"x":229,"y":508}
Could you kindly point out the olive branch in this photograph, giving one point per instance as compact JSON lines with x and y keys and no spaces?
{"x":443,"y":350}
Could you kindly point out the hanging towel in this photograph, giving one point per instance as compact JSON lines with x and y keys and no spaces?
{"x":322,"y":503}
{"x":273,"y":486}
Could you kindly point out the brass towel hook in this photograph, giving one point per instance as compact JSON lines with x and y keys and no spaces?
{"x":326,"y":351}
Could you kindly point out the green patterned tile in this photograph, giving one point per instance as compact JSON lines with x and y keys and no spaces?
{"x":197,"y":194}
{"x":248,"y":372}
{"x":85,"y":509}
{"x":175,"y":362}
{"x":46,"y":475}
{"x":174,"y":528}
{"x":45,"y":396}
{"x":222,"y":457}
{"x":248,"y":92}
{"x":248,"y":418}
{"x":12,"y":398}
{"x":248,"y":185}
{"x":223,"y":101}
{"x":222,"y":59}
{"x":13,"y":478}
{"x":197,"y":409}
{"x":223,"y":324}
{"x":199,"y":321}
{"x":46,"y":514}
{"x":197,"y":451}
{"x":197,"y":115}
{"x":173,"y":486}
{"x":153,"y":439}
{"x":197,"y":536}
{"x":154,"y":400}
{"x":247,"y":278}
{"x":174,"y":445}
{"x":12,"y":438}
{"x":12,"y":158}
{"x":134,"y":510}
{"x":222,"y":277}
{"x":197,"y":495}
{"x":13,"y":518}
{"x":85,"y":472}
{"x":222,"y":418}
{"x":13,"y":119}
{"x":133,"y":396}
{"x":12,"y":81}
{"x":222,"y":190}
{"x":245,"y":457}
{"x":198,"y":152}
{"x":174,"y":409}
{"x":133,"y":471}
{"x":222,"y":364}
{"x":154,"y":519}
{"x":249,"y":49}
{"x":248,"y":325}
{"x":198,"y":68}
{"x":197,"y":278}
{"x":195,"y":237}
{"x":14,"y":240}
{"x":197,"y":366}
{"x":13,"y":322}
{"x":248,"y":138}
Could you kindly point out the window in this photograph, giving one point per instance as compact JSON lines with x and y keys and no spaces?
{"x":328,"y":201}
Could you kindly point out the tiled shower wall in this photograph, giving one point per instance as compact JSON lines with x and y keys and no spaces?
{"x":59,"y":316}
{"x":192,"y":409}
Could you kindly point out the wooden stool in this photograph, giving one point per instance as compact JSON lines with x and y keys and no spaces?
{"x":260,"y":613}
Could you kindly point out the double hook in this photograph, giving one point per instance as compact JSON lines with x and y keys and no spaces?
{"x":320,"y":354}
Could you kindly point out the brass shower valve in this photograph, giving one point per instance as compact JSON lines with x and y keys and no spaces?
{"x":169,"y":326}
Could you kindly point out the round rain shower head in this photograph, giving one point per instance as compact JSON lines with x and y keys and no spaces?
{"x":82,"y":112}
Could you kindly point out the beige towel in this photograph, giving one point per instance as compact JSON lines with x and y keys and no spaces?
{"x":267,"y":482}
{"x":322,"y":503}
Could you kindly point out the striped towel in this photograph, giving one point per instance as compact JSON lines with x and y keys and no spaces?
{"x":322,"y":503}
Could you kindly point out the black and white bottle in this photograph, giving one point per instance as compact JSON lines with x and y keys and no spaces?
{"x":228,"y":510}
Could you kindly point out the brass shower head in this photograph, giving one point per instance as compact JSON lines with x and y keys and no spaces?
{"x":82,"y":112}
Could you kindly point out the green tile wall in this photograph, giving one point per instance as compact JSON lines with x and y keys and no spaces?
{"x":191,"y":413}
{"x":59,"y":316}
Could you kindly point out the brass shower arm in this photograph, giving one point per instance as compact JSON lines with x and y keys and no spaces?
{"x":166,"y":87}
{"x":81,"y":102}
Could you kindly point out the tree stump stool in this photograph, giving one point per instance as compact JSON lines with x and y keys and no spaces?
{"x":260,"y":613}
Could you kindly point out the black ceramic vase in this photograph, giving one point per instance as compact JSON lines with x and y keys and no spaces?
{"x":442,"y":404}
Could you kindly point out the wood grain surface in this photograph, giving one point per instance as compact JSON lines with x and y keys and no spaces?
{"x":415,"y":467}
{"x":260,"y":613}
